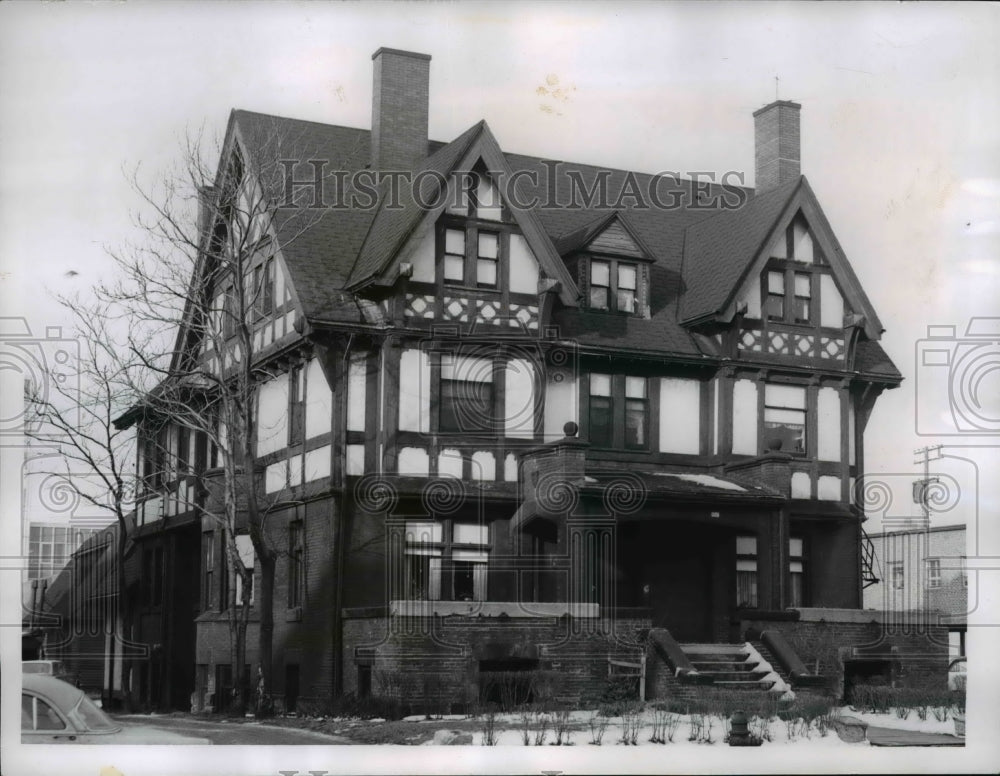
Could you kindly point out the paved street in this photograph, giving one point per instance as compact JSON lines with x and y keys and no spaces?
{"x":881,"y":736}
{"x":219,"y":732}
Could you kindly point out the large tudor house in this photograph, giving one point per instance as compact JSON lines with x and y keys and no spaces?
{"x":566,"y":435}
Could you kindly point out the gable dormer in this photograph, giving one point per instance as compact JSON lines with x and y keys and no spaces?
{"x":612,"y":266}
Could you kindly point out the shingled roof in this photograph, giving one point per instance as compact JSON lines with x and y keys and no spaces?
{"x":699,"y":252}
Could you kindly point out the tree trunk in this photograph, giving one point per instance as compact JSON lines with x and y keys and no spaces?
{"x":119,"y":639}
{"x":266,"y":609}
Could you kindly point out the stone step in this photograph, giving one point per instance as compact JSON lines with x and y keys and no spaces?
{"x":734,"y":676}
{"x":744,"y":685}
{"x":723,"y":665}
{"x":720,"y":649}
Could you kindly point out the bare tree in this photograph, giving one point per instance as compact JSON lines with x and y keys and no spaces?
{"x":207,"y":261}
{"x":73,"y":410}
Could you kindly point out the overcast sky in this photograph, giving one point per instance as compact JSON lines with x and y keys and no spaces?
{"x":900,"y":122}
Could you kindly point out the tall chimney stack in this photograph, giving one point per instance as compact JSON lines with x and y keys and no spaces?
{"x":399,"y":108}
{"x":777,"y":145}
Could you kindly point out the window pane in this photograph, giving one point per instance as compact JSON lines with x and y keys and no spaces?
{"x":599,"y":297}
{"x":486,"y":272}
{"x":775,"y":307}
{"x":470,"y":533}
{"x":626,"y":276}
{"x":785,"y":396}
{"x":424,"y":533}
{"x":746,"y":545}
{"x":635,"y":387}
{"x":795,"y":548}
{"x":463,"y":579}
{"x":795,"y":566}
{"x":600,"y":273}
{"x":635,"y":423}
{"x":626,"y":301}
{"x":600,"y":421}
{"x":776,"y":282}
{"x":600,"y":385}
{"x":454,"y":241}
{"x":802,"y":284}
{"x":454,"y":268}
{"x":464,"y":368}
{"x":466,"y":406}
{"x":796,"y":596}
{"x":791,"y":435}
{"x":488,"y":245}
{"x":801,"y":310}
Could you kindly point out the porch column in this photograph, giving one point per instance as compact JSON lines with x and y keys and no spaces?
{"x":779,"y":566}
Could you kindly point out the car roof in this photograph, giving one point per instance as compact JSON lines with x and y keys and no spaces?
{"x":62,"y":693}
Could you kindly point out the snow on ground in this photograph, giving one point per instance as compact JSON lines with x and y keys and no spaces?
{"x":508,"y":733}
{"x":912,"y":721}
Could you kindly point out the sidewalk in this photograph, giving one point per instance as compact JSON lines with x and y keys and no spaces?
{"x":881,"y":736}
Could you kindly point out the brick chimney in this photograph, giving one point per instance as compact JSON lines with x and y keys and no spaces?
{"x":399,"y":108}
{"x":777,"y":145}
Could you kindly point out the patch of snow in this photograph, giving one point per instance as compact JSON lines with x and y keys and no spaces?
{"x":780,"y":685}
{"x":912,"y":722}
{"x":704,"y":479}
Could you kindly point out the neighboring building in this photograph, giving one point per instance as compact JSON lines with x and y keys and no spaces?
{"x":50,"y":545}
{"x":923,"y":574}
{"x":500,"y":437}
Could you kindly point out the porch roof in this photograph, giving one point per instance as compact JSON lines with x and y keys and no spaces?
{"x":631,"y":491}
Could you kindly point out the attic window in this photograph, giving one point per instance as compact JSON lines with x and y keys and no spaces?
{"x":614,"y":285}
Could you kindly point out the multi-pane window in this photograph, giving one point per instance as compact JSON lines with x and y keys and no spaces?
{"x":785,"y":417}
{"x":796,"y":572}
{"x":614,"y":285}
{"x":296,"y":564}
{"x":636,"y":414}
{"x":454,"y":256}
{"x":933,"y":572}
{"x":488,"y":260}
{"x":896,"y":575}
{"x":208,"y":566}
{"x":296,"y":405}
{"x":619,"y":402}
{"x":746,"y":572}
{"x":466,"y":396}
{"x":244,"y":547}
{"x":601,"y":411}
{"x":442,"y":566}
{"x":50,"y":547}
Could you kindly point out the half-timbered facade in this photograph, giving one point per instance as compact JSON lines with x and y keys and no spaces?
{"x":506,"y":423}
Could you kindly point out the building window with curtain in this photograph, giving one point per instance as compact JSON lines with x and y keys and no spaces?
{"x":746,"y":572}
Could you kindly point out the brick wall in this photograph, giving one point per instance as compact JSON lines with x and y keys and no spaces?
{"x":437,"y":660}
{"x":777,"y":142}
{"x":827,"y":639}
{"x":399,"y":109}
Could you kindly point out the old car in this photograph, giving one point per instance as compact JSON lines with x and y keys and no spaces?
{"x":54,"y":668}
{"x":56,"y":712}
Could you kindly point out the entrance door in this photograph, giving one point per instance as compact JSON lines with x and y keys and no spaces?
{"x":679,"y":574}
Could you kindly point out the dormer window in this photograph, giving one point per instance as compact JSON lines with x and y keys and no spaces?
{"x":614,"y":285}
{"x":789,"y":296}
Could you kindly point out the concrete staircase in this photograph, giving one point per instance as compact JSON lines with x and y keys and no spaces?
{"x":726,"y":666}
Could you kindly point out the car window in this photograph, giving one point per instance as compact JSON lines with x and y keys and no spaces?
{"x":36,"y":714}
{"x":89,"y":717}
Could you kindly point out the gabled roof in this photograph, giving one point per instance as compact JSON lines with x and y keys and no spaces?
{"x":718,"y":250}
{"x":720,"y":253}
{"x":582,"y":237}
{"x":700,"y":255}
{"x":391,"y":226}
